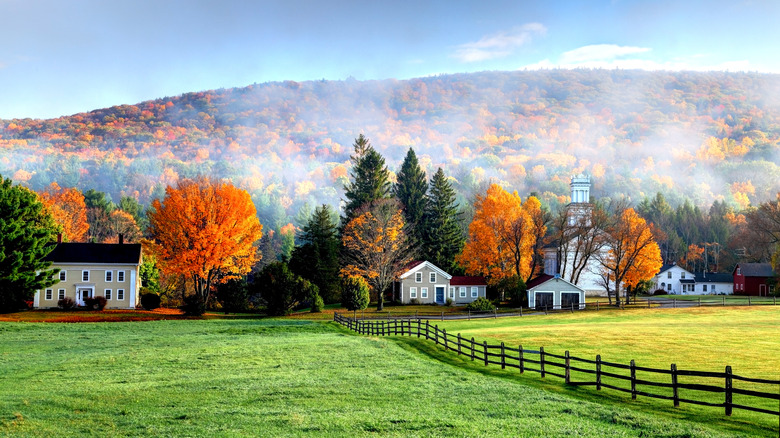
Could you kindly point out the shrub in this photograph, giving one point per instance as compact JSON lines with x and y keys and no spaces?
{"x":233,"y":295}
{"x":150,"y":301}
{"x":354,"y":293}
{"x":281,"y":290}
{"x":317,"y":304}
{"x":513,"y":289}
{"x":66,"y":303}
{"x":194,"y":305}
{"x":659,"y":292}
{"x":480,"y":304}
{"x":449,"y":302}
{"x":414,"y":302}
{"x":95,"y":303}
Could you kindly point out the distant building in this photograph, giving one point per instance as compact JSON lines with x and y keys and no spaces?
{"x":88,"y":270}
{"x":429,"y":284}
{"x":676,"y":280}
{"x":752,"y":279}
{"x":552,"y":293}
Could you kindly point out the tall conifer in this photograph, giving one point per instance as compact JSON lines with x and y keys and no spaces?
{"x":443,"y":238}
{"x":411,"y":189}
{"x":317,"y":259}
{"x":369,"y":178}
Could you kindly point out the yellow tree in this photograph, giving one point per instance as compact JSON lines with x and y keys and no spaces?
{"x":633,"y":254}
{"x":205,"y":229}
{"x":68,"y":209}
{"x":376,"y":246}
{"x":502,"y":236}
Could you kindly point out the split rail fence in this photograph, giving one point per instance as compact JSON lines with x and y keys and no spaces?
{"x":636,"y":380}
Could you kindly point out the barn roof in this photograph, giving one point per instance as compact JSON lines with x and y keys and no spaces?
{"x":538,"y":280}
{"x":129,"y":254}
{"x":468,"y":281}
{"x":756,"y":269}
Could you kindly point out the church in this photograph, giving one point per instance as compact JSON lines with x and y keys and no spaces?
{"x":563,"y":259}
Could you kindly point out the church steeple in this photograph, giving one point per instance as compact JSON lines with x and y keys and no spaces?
{"x":580,"y":189}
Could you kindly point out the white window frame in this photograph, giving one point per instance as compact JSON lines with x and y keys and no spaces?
{"x":412,"y":292}
{"x":669,"y":274}
{"x":60,"y":294}
{"x":109,"y":276}
{"x":49,"y":293}
{"x":462,"y":292}
{"x":85,"y":275}
{"x":423,"y":292}
{"x":704,"y":288}
{"x":418,"y":277}
{"x":63,"y":275}
{"x":474,"y":291}
{"x":682,"y":275}
{"x":120,"y":294}
{"x":432,"y":278}
{"x":452,"y":292}
{"x":120,"y":276}
{"x":107,"y":294}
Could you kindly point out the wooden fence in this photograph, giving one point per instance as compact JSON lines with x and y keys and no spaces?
{"x":604,"y":374}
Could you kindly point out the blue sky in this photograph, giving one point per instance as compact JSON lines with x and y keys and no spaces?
{"x":62,"y":57}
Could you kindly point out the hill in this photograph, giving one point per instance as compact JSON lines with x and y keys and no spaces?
{"x":703,"y":136}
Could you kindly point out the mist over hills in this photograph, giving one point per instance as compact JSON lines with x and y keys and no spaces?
{"x":701,"y":136}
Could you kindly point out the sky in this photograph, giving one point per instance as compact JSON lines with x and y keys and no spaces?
{"x":62,"y":57}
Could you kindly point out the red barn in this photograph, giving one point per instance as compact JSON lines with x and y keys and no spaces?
{"x":751,"y":278}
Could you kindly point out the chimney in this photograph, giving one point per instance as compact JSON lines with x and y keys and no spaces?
{"x":121,"y":238}
{"x":59,"y":237}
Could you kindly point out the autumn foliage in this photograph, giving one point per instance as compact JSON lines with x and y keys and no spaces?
{"x":68,"y":209}
{"x":502,"y":236}
{"x":205,"y":230}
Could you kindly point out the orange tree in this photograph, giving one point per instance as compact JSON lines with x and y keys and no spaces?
{"x":376,"y":245}
{"x":68,"y":209}
{"x":205,"y":230}
{"x":633,"y":254}
{"x":502,"y":236}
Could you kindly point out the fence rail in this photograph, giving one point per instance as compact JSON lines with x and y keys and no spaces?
{"x":557,"y":365}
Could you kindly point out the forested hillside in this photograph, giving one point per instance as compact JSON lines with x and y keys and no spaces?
{"x":701,"y":136}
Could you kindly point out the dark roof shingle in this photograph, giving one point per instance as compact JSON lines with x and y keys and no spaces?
{"x":128,"y":253}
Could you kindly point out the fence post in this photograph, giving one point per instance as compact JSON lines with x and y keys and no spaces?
{"x":699,"y":301}
{"x":484,"y":346}
{"x":727,"y":402}
{"x":442,"y":315}
{"x":427,"y":329}
{"x":459,"y":340}
{"x":469,"y":314}
{"x":503,"y":357}
{"x":724,"y":300}
{"x":541,"y":360}
{"x":495,"y":312}
{"x":419,"y":328}
{"x":572,"y":307}
{"x":748,"y":300}
{"x":520,"y":357}
{"x":633,"y":379}
{"x":648,"y":303}
{"x":335,"y":314}
{"x":567,"y":373}
{"x":674,"y":302}
{"x":598,"y":305}
{"x":472,"y":348}
{"x":675,"y":392}
{"x":521,"y":310}
{"x":598,"y":372}
{"x":445,"y":339}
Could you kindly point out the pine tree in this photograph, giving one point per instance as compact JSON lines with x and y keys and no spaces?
{"x":369,"y":178}
{"x":411,"y":189}
{"x":26,"y":234}
{"x":317,"y":259}
{"x":443,"y":239}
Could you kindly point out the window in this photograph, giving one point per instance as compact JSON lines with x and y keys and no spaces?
{"x":669,"y":274}
{"x":432,"y":278}
{"x":474,"y":291}
{"x":462,"y":292}
{"x":423,"y":292}
{"x":739,"y":271}
{"x":682,"y":274}
{"x":120,"y":294}
{"x":60,"y":294}
{"x":452,"y":292}
{"x":107,"y":294}
{"x":84,"y":275}
{"x":412,"y":292}
{"x":704,"y":288}
{"x":63,"y":275}
{"x":109,"y":276}
{"x":418,"y":277}
{"x":669,"y":287}
{"x":712,"y":289}
{"x":120,"y":275}
{"x":49,"y":293}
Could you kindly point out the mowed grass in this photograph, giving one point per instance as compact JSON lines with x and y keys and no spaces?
{"x":698,"y":338}
{"x":279,"y":378}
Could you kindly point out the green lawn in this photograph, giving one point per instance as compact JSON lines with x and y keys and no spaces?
{"x":285,"y":378}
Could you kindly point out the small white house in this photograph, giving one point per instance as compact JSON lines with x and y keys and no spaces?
{"x":426,"y":283}
{"x":676,"y":280}
{"x":553,"y":292}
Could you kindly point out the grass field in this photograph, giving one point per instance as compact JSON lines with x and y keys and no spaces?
{"x":283,"y":378}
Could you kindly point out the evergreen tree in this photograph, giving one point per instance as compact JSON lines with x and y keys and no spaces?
{"x":443,"y":236}
{"x":26,"y":234}
{"x":369,"y":178}
{"x":411,"y":189}
{"x":317,"y":259}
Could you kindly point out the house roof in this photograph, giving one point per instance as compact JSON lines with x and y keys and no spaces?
{"x":544,"y":278}
{"x":417,"y":265}
{"x":714,"y":277}
{"x":468,"y":281}
{"x":128,"y":254}
{"x":687,"y":281}
{"x":755,"y":269}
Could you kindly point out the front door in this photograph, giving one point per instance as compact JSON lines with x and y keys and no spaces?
{"x":81,"y":295}
{"x":544,"y":300}
{"x":440,"y":294}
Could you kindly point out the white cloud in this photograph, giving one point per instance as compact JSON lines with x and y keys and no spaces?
{"x":498,"y":45}
{"x":599,"y":52}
